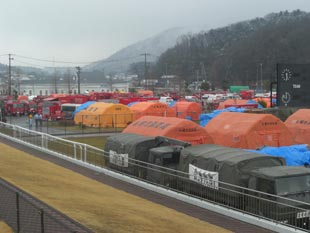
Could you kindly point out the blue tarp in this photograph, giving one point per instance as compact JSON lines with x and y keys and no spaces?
{"x":295,"y":155}
{"x":132,"y":103}
{"x":205,"y":118}
{"x":172,"y":103}
{"x":254,"y":102}
{"x":82,"y":107}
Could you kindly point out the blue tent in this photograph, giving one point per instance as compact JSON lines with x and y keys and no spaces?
{"x":295,"y":155}
{"x":82,"y":107}
{"x":205,"y":118}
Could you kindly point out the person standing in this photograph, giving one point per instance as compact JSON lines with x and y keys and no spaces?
{"x":30,"y":120}
{"x":40,"y":119}
{"x":36,"y":119}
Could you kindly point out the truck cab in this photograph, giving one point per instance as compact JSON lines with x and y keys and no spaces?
{"x":290,"y":189}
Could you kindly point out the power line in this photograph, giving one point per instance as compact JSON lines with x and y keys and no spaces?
{"x":50,"y":61}
{"x":68,"y":62}
{"x":29,"y":64}
{"x":71,"y":62}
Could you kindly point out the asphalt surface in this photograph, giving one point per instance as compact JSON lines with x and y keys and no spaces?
{"x":191,"y":210}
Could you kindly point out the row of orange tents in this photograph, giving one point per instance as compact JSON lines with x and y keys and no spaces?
{"x":232,"y":129}
{"x":102,"y":114}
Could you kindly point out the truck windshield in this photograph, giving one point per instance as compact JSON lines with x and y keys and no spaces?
{"x":18,"y":105}
{"x":296,"y":184}
{"x":68,"y":108}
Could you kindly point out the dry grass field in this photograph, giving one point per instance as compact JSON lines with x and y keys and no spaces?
{"x":98,"y":206}
{"x":4,"y":228}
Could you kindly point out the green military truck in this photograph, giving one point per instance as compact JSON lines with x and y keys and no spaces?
{"x":258,"y":184}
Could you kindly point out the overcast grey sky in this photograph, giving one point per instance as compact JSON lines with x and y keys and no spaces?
{"x":89,"y":30}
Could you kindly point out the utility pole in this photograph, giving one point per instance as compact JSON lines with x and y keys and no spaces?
{"x":10,"y":75}
{"x":145,"y":69}
{"x":197,"y":78}
{"x":55,"y":77}
{"x":69,"y":81}
{"x":203,"y":71}
{"x":78,"y":77}
{"x":261,"y":76}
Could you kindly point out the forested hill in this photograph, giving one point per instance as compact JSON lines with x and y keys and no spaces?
{"x":236,"y":54}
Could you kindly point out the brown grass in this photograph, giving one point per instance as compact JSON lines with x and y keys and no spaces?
{"x":98,"y":206}
{"x":5,"y":228}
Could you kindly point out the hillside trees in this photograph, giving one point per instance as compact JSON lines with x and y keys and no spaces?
{"x":242,"y":53}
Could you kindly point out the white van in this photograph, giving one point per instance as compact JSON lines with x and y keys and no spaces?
{"x":165,"y":99}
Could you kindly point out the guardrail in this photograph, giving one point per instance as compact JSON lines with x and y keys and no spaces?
{"x":279,"y":210}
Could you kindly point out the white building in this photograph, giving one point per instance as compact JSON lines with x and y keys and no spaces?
{"x":47,"y":89}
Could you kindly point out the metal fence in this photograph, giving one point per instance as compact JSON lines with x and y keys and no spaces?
{"x":84,"y":124}
{"x":26,"y":214}
{"x":274,"y":208}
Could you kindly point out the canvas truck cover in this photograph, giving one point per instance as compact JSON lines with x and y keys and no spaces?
{"x":136,"y":146}
{"x":172,"y":127}
{"x":232,"y":165}
{"x":273,"y":173}
{"x":152,"y":109}
{"x":292,"y":182}
{"x":299,"y":125}
{"x":248,"y":130}
{"x":185,"y":109}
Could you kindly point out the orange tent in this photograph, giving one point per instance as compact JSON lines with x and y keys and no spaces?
{"x":171,"y":127}
{"x":187,"y":109}
{"x":267,"y":100}
{"x":102,"y":114}
{"x":248,"y":130}
{"x":152,"y":109}
{"x":299,"y":125}
{"x":145,"y":93}
{"x":231,"y":102}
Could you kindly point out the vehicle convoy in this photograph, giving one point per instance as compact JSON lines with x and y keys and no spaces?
{"x":258,"y":184}
{"x":129,"y":152}
{"x":15,"y":108}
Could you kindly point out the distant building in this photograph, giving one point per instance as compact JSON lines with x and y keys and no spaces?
{"x":34,"y":88}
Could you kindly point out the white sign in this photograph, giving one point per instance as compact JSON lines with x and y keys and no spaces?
{"x":286,"y":98}
{"x":118,"y":159}
{"x":204,"y":177}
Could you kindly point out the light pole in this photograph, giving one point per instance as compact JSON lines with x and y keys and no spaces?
{"x":10,"y":76}
{"x":261,"y":76}
{"x":78,"y":78}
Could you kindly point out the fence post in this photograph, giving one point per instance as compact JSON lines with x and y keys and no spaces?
{"x":82,"y":124}
{"x":85,"y":153}
{"x":99,"y":125}
{"x":47,"y":125}
{"x":65,"y":126}
{"x":42,"y":220}
{"x":17,"y":212}
{"x":74,"y":148}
